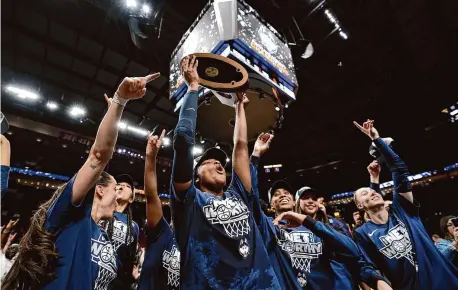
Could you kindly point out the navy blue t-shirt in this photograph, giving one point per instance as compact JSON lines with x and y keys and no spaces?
{"x":5,"y":172}
{"x":302,"y":260}
{"x":403,"y":251}
{"x":161,"y":267}
{"x":87,"y":257}
{"x":125,"y":247}
{"x":220,"y":245}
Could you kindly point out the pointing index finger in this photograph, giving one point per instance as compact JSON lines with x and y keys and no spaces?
{"x":162,"y":135}
{"x":151,"y":77}
{"x":358,"y":126}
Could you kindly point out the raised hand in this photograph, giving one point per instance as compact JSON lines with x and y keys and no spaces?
{"x":135,"y":88}
{"x":241,"y":99}
{"x":374,"y":169}
{"x":294,"y":219}
{"x":262,"y":143}
{"x":368,"y":129}
{"x":189,"y":71}
{"x":154,"y":144}
{"x":11,"y":237}
{"x":11,"y":224}
{"x":108,"y":100}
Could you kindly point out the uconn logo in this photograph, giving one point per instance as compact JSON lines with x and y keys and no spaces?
{"x":397,"y":244}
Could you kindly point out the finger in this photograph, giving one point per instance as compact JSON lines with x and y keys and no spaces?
{"x":138,"y":84}
{"x":260,"y":136}
{"x":107,"y":98}
{"x":185,"y":64}
{"x":270,"y":138}
{"x":196,"y":64}
{"x":191,"y":63}
{"x":162,"y":135}
{"x":141,"y":93}
{"x":358,"y":126}
{"x":152,"y":77}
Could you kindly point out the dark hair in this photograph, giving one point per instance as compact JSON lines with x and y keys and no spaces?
{"x":37,"y":258}
{"x":443,"y":224}
{"x":11,"y":251}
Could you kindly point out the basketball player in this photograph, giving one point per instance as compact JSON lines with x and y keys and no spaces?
{"x":302,"y":255}
{"x":161,"y":266}
{"x":64,"y":247}
{"x":396,"y":241}
{"x":123,"y":232}
{"x":219,"y":243}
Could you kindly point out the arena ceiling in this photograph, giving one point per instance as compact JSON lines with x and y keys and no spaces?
{"x":398,"y":66}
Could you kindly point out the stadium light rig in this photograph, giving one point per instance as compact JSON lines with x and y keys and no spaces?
{"x":52,"y":106}
{"x":77,"y":111}
{"x":22,"y":94}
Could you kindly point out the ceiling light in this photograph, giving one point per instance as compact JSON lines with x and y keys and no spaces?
{"x":52,"y":106}
{"x":196,"y":150}
{"x":286,"y":106}
{"x":308,"y":51}
{"x":454,"y":112}
{"x":277,"y":108}
{"x":146,"y":9}
{"x":39,"y":140}
{"x":202,"y":141}
{"x":228,"y":160}
{"x":166,"y":141}
{"x":122,"y":125}
{"x":343,"y":35}
{"x":138,"y":131}
{"x":23,"y":94}
{"x":76,"y":111}
{"x":131,"y":3}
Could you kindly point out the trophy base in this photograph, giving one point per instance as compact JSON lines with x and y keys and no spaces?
{"x":216,"y":120}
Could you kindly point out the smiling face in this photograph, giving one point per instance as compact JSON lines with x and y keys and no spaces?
{"x":366,"y":198}
{"x":309,"y":206}
{"x":212,"y":174}
{"x":282,"y":200}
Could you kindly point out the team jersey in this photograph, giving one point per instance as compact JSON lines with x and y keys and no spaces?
{"x":5,"y":172}
{"x":401,"y":248}
{"x":306,"y":259}
{"x":403,"y":251}
{"x":220,"y":245}
{"x":87,"y":259}
{"x":161,"y":267}
{"x":124,"y":246}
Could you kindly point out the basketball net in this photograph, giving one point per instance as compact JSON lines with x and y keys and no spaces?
{"x":301,"y":263}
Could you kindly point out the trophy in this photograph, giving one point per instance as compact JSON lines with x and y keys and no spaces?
{"x":237,"y":52}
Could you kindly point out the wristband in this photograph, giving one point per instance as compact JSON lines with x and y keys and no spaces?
{"x":118,"y":100}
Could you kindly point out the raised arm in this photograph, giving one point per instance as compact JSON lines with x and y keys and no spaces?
{"x":240,"y":158}
{"x":153,"y":202}
{"x":397,"y":167}
{"x":105,"y":140}
{"x":185,"y":131}
{"x":374,"y":173}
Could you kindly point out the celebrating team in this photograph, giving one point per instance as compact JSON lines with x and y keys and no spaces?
{"x":220,"y":238}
